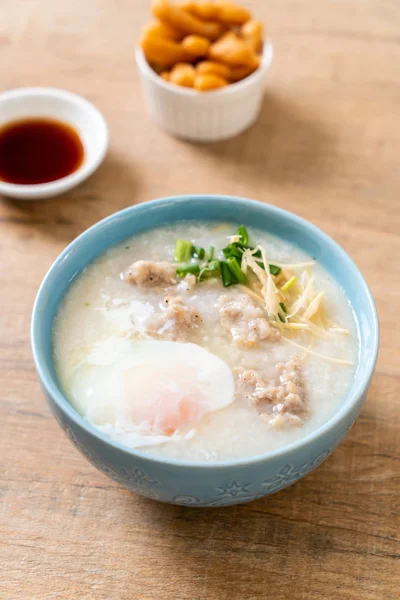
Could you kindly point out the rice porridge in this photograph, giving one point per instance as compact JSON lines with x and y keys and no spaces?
{"x":205,"y":341}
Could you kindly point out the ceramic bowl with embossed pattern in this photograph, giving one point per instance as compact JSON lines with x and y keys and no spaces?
{"x":223,"y":482}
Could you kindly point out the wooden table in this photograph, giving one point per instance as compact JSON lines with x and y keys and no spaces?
{"x":326,"y":146}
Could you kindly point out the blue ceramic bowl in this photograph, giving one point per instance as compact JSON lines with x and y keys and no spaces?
{"x":199,"y":484}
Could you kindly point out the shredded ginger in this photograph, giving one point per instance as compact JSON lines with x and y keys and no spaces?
{"x":269,"y":290}
{"x":301,"y":303}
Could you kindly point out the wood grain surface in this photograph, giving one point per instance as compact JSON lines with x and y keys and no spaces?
{"x":326,"y":146}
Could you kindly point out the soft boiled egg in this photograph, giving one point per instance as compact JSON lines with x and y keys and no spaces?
{"x":148,"y":392}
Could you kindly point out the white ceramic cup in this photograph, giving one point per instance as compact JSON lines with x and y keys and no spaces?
{"x":204,"y":116}
{"x":69,"y":108}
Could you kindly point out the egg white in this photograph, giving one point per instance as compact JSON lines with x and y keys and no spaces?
{"x":149,"y":392}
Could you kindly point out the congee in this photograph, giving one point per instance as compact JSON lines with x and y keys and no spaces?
{"x":205,"y":342}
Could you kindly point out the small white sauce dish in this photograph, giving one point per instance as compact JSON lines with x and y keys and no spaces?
{"x":204,"y":116}
{"x":63,"y":106}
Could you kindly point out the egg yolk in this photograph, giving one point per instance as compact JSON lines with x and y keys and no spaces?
{"x":165,"y":401}
{"x":175,"y":413}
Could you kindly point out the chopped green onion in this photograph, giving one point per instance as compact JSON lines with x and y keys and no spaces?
{"x":232,"y":250}
{"x":183,"y":250}
{"x":234,"y":266}
{"x":283,"y":307}
{"x":211,"y":253}
{"x":274,"y":270}
{"x":289,"y":284}
{"x":228,"y":278}
{"x":198,"y":252}
{"x":209,"y":269}
{"x":236,"y":249}
{"x":242,"y":231}
{"x":191,"y":268}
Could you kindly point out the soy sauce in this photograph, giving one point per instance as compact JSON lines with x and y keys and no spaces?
{"x":38,"y":150}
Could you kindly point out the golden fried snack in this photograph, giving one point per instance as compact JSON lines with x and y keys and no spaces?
{"x":175,"y":16}
{"x":164,"y":53}
{"x":183,"y":74}
{"x":220,"y":36}
{"x":196,"y":45}
{"x":240,"y":72}
{"x":161,"y":30}
{"x":232,"y":50}
{"x":207,"y":11}
{"x":209,"y":81}
{"x":232,"y":14}
{"x":253,"y":33}
{"x":227,"y":13}
{"x":210,"y":67}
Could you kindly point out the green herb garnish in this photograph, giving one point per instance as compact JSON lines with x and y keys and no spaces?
{"x":183,"y":250}
{"x":185,"y":269}
{"x":236,"y":249}
{"x":198,"y":252}
{"x":228,"y":278}
{"x":256,"y":254}
{"x":233,"y":250}
{"x":244,"y":236}
{"x":209,"y":269}
{"x":274,"y":270}
{"x":234,"y":266}
{"x":230,"y":269}
{"x":283,"y":307}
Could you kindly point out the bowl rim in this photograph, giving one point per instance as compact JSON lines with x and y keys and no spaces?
{"x":358,"y":389}
{"x":237,"y":86}
{"x":85,"y":170}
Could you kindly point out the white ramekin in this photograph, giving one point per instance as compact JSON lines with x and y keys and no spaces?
{"x":65,"y":106}
{"x":204,"y":116}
